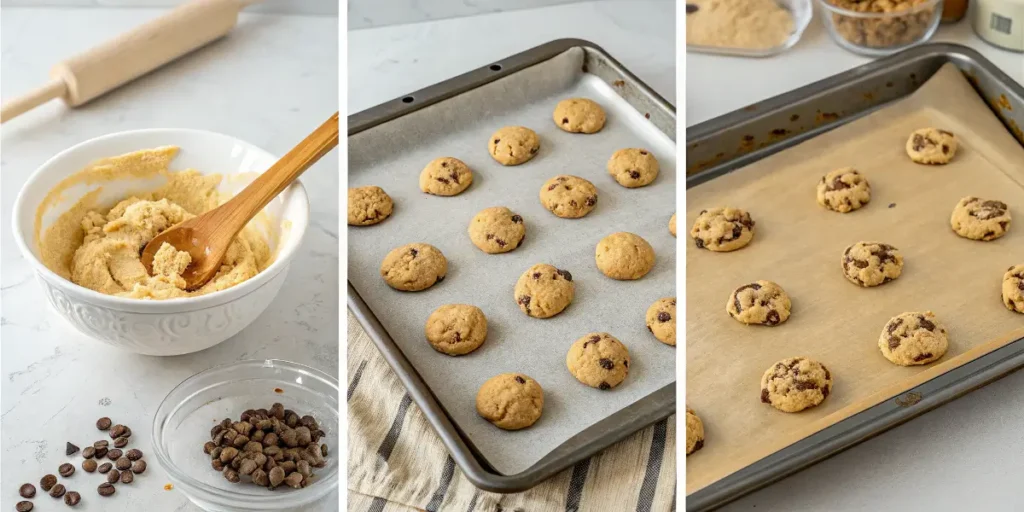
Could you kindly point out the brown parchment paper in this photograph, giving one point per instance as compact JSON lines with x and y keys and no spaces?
{"x":798,"y":244}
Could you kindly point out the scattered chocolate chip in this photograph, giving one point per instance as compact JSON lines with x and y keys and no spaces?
{"x":520,"y":380}
{"x":66,"y":469}
{"x":101,"y":452}
{"x":72,"y":498}
{"x":922,"y":357}
{"x":123,"y":463}
{"x":120,"y":442}
{"x":24,"y":506}
{"x":70,"y":449}
{"x":699,"y":242}
{"x":105,"y":468}
{"x":103,"y":423}
{"x":127,"y":477}
{"x":118,"y":431}
{"x":102,"y":443}
{"x":927,"y":324}
{"x":47,"y":482}
{"x":106,"y":489}
{"x":113,"y":476}
{"x":114,"y":454}
{"x":57,"y":491}
{"x":605,"y":363}
{"x":89,"y":465}
{"x":27,"y":490}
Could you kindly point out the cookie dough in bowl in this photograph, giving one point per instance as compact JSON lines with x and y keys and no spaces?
{"x":82,"y":218}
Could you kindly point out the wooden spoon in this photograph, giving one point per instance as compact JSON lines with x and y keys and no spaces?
{"x":206,"y":237}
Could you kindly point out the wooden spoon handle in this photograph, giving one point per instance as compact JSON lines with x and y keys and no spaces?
{"x":240,"y":209}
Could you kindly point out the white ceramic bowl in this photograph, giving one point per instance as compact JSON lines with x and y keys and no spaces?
{"x":174,"y":326}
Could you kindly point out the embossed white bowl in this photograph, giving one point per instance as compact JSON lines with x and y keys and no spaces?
{"x":174,"y":326}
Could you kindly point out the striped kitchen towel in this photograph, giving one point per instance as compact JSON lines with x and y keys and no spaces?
{"x":397,"y":462}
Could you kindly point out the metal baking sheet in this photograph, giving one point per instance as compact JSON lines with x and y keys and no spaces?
{"x":732,"y":141}
{"x":389,"y":145}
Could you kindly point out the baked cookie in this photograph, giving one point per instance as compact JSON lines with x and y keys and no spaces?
{"x":694,"y":432}
{"x":414,"y":267}
{"x":445,"y":176}
{"x":511,"y":401}
{"x":598,"y":360}
{"x":796,"y":383}
{"x":871,"y":263}
{"x":722,"y":229}
{"x":1013,"y":288}
{"x":569,"y":197}
{"x":368,"y":205}
{"x":931,"y":146}
{"x":624,"y":256}
{"x":579,"y":115}
{"x":844,"y":190}
{"x":456,"y":329}
{"x":497,"y":230}
{"x":661,"y":320}
{"x":980,"y":219}
{"x":633,"y":167}
{"x":913,"y":338}
{"x":672,"y":225}
{"x":760,"y":303}
{"x":543,"y":291}
{"x":513,"y":145}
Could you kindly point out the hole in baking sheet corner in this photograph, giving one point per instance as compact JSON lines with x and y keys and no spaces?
{"x":407,"y":99}
{"x":495,"y":67}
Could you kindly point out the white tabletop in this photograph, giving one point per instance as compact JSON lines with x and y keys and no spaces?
{"x":270,"y":82}
{"x":966,"y":455}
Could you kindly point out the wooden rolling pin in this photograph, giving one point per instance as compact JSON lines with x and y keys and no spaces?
{"x":132,"y":54}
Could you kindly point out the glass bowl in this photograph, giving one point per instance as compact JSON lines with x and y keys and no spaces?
{"x":184,"y":420}
{"x":877,"y":34}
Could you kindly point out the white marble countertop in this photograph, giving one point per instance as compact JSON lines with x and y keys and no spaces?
{"x":965,"y":455}
{"x":270,"y":82}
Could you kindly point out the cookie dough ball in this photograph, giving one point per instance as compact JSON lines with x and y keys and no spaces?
{"x":931,"y":146}
{"x":579,"y":115}
{"x":913,"y":338}
{"x":414,"y":267}
{"x":694,"y":432}
{"x":511,"y":401}
{"x":624,"y":256}
{"x":722,"y":229}
{"x":661,"y":320}
{"x":368,"y":205}
{"x":456,"y":329}
{"x":1013,"y":288}
{"x":844,"y":190}
{"x":980,"y":219}
{"x":672,"y":225}
{"x":633,"y":167}
{"x":513,"y":145}
{"x":445,"y":176}
{"x":871,"y":263}
{"x":759,"y":303}
{"x":543,"y":291}
{"x":598,"y":360}
{"x":497,"y":230}
{"x":795,"y":384}
{"x":569,"y":197}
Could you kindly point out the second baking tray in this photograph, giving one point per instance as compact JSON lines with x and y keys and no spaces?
{"x":389,"y":145}
{"x":736,"y":140}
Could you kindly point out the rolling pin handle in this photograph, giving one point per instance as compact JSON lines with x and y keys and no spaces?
{"x":55,"y":88}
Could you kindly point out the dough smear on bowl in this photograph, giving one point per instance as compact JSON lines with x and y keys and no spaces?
{"x":99,"y":246}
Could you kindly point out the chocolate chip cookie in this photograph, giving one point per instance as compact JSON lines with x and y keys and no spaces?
{"x":844,"y":190}
{"x":980,"y":219}
{"x":931,"y":146}
{"x":513,"y":145}
{"x":414,"y":267}
{"x":368,"y":205}
{"x":511,"y":401}
{"x":661,"y":320}
{"x":579,"y":115}
{"x":913,"y":338}
{"x":1013,"y":288}
{"x":722,"y":229}
{"x":633,"y":167}
{"x":445,"y":176}
{"x":456,"y":329}
{"x":569,"y":197}
{"x":543,"y":291}
{"x":759,"y":303}
{"x":624,"y":256}
{"x":672,"y":225}
{"x":497,"y":230}
{"x":694,"y":432}
{"x":795,"y":384}
{"x":871,"y":263}
{"x":598,"y":360}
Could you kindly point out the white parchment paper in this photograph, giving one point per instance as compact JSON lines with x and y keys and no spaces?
{"x":392,"y":155}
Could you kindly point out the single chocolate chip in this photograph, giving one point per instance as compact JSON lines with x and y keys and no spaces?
{"x":57,"y":491}
{"x":691,"y":8}
{"x":605,"y":363}
{"x":118,"y":431}
{"x":102,"y":443}
{"x":919,"y":142}
{"x":517,"y":219}
{"x":66,"y":470}
{"x":634,"y":174}
{"x":103,"y":423}
{"x":114,"y":454}
{"x":565,"y":274}
{"x":47,"y":482}
{"x":89,"y":465}
{"x":127,"y":477}
{"x":894,"y":342}
{"x":497,"y":141}
{"x":70,"y":449}
{"x":773,"y":318}
{"x":72,"y":498}
{"x":443,"y":180}
{"x":892,"y":205}
{"x":27,"y":490}
{"x":106,"y":489}
{"x":824,"y":392}
{"x":105,"y":468}
{"x":518,"y":379}
{"x":443,"y":164}
{"x":525,"y":301}
{"x":413,"y":252}
{"x":764,"y":396}
{"x":591,"y":201}
{"x":922,"y":357}
{"x":699,"y":243}
{"x":458,"y":337}
{"x":927,"y":324}
{"x":24,"y":506}
{"x":120,"y":442}
{"x":101,"y":452}
{"x":945,"y":149}
{"x":565,"y":120}
{"x":603,"y":386}
{"x":664,"y":317}
{"x":113,"y":476}
{"x":123,"y":463}
{"x":828,"y":376}
{"x":573,"y":203}
{"x":595,"y":338}
{"x":500,"y":242}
